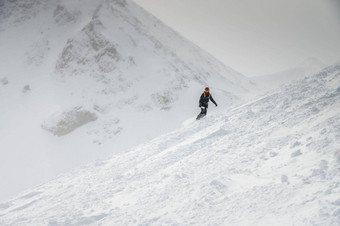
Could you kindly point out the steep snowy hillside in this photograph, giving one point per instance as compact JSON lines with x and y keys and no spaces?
{"x":273,"y":161}
{"x":81,"y":79}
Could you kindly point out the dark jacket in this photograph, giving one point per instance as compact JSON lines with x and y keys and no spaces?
{"x":205,"y":97}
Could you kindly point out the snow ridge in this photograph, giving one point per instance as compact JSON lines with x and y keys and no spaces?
{"x":273,"y":161}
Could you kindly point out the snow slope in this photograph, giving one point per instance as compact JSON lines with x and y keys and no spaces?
{"x":273,"y":81}
{"x":83,"y":79}
{"x":272,"y":161}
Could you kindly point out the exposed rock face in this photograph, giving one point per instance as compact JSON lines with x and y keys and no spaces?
{"x":164,"y":100}
{"x":26,"y":89}
{"x":66,"y":122}
{"x":89,"y":48}
{"x":4,"y":81}
{"x":62,"y":15}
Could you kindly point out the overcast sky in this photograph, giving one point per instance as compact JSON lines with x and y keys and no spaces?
{"x":256,"y":37}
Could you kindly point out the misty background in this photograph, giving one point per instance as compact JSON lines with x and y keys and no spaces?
{"x":256,"y":37}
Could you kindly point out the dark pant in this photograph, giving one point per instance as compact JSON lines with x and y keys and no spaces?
{"x":203,"y":113}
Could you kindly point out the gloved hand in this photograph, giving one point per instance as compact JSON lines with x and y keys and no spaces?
{"x":216,"y":105}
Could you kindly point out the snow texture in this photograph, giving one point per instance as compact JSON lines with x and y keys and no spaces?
{"x":272,"y":161}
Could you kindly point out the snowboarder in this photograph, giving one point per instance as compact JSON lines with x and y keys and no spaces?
{"x":203,"y":103}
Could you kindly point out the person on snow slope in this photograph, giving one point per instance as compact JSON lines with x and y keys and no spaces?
{"x":203,"y":103}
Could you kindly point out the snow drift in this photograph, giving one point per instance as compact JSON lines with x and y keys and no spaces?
{"x":272,"y":161}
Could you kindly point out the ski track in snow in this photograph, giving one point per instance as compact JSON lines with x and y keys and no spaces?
{"x":273,"y":161}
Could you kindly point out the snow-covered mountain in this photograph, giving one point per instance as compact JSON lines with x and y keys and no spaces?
{"x":81,"y":79}
{"x":273,"y":81}
{"x":272,"y":161}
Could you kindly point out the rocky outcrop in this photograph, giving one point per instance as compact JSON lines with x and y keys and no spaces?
{"x":64,"y":123}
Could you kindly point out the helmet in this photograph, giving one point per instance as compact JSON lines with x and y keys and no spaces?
{"x":207,"y":89}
